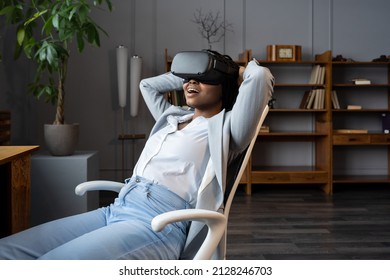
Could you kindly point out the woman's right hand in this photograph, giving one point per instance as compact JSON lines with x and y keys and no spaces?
{"x":240,"y":75}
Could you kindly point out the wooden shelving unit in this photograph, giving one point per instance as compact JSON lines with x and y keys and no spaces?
{"x":375,"y":101}
{"x":318,"y":172}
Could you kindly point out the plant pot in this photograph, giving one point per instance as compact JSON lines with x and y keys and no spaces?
{"x":61,"y":140}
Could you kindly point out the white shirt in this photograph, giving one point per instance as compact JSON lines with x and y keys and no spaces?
{"x":176,"y":158}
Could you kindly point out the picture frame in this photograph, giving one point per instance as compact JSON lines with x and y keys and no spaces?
{"x":284,"y":53}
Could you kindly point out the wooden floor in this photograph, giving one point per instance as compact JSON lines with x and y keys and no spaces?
{"x":286,"y":223}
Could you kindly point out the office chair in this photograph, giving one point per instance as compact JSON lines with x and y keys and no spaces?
{"x":214,"y":243}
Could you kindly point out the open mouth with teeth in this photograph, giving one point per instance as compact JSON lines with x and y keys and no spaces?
{"x":192,"y":90}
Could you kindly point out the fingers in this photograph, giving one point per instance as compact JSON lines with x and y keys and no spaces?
{"x":240,"y":75}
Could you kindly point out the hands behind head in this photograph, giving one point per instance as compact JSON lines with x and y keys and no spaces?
{"x":240,"y":75}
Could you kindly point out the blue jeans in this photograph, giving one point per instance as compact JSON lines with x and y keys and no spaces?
{"x":119,"y":231}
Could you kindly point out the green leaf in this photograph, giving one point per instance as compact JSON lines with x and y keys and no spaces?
{"x":48,"y":25}
{"x":92,"y":35}
{"x":8,"y":10}
{"x":99,"y":2}
{"x":41,"y":52}
{"x":29,"y":47}
{"x":35,"y":16}
{"x":51,"y":55}
{"x":80,"y":42}
{"x":55,"y":21}
{"x":20,"y":35}
{"x":83,"y":13}
{"x":41,"y":92}
{"x":109,"y":5}
{"x":72,"y":12}
{"x":13,"y":13}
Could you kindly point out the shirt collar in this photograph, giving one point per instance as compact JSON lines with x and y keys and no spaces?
{"x":175,"y":120}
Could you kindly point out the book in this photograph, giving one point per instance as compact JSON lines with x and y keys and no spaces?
{"x":314,"y":74}
{"x":317,"y":99}
{"x":304,"y":100}
{"x":322,"y":98}
{"x":271,"y":52}
{"x":311,"y":97}
{"x":351,"y":131}
{"x":335,"y":100}
{"x":321,"y":76}
{"x":361,"y":81}
{"x":264,"y":129}
{"x":317,"y":76}
{"x":354,"y":107}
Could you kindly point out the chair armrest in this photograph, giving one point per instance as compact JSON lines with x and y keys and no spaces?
{"x":215,"y":221}
{"x":98,"y":185}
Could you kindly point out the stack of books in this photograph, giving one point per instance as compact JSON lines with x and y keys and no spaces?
{"x":313,"y":99}
{"x":317,"y":76}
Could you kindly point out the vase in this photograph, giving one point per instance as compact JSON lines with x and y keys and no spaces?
{"x":61,"y":140}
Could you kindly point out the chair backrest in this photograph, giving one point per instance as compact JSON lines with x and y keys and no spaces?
{"x":203,"y":242}
{"x":241,"y":166}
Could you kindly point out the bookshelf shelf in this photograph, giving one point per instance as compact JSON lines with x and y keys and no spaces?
{"x":298,"y":136}
{"x":299,"y":85}
{"x":367,"y":179}
{"x":360,"y":86}
{"x":298,"y":110}
{"x":291,"y":63}
{"x":360,"y":110}
{"x":360,"y":63}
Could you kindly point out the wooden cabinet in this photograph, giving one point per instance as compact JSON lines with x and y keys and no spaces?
{"x":15,"y":162}
{"x":366,"y":147}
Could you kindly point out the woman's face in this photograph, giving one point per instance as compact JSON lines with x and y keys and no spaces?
{"x":203,"y":97}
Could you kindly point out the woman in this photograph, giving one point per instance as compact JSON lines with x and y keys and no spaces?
{"x":167,"y":175}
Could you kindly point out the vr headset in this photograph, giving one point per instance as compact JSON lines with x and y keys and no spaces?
{"x":204,"y":66}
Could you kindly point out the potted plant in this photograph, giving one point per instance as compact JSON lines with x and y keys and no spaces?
{"x":45,"y":30}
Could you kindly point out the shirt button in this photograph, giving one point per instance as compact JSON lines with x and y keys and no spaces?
{"x":137,"y":180}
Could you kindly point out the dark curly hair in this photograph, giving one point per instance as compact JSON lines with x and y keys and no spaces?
{"x":229,"y":82}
